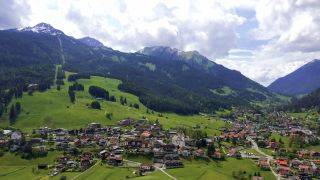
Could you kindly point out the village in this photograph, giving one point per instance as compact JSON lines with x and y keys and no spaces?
{"x":110,"y":145}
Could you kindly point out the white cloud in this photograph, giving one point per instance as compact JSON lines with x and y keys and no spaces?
{"x":206,"y":26}
{"x":292,"y":24}
{"x":13,"y":13}
{"x":292,"y":28}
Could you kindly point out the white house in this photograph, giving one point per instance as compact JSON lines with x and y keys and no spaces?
{"x":178,"y":140}
{"x":16,"y":136}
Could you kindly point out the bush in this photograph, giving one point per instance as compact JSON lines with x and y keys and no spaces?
{"x":109,"y":116}
{"x":95,"y":105}
{"x":112,"y":98}
{"x":135,"y":105}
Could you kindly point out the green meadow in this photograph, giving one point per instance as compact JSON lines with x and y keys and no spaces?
{"x":222,"y":170}
{"x":196,"y":169}
{"x":277,"y":137}
{"x":53,"y":108}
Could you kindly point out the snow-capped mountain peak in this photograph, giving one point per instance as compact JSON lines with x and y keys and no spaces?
{"x":42,"y":28}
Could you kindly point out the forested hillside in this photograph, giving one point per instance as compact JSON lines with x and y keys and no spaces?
{"x":309,"y":101}
{"x":161,"y":83}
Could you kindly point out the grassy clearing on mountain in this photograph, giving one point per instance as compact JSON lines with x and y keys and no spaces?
{"x":224,"y":91}
{"x":53,"y":108}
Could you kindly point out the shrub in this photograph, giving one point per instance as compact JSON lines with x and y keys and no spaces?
{"x":95,"y":105}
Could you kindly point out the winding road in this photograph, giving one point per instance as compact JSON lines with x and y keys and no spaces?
{"x":269,"y":158}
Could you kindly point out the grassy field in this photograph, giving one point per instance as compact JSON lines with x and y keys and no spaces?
{"x":250,"y":150}
{"x":217,"y":170}
{"x":267,"y":151}
{"x":10,"y":159}
{"x":314,"y":148}
{"x":192,"y":170}
{"x":285,"y":139}
{"x":20,"y":172}
{"x":53,"y":109}
{"x":103,"y":172}
{"x":14,"y":167}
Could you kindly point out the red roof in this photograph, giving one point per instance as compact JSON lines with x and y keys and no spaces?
{"x":301,"y":166}
{"x":282,"y":162}
{"x":284,"y":168}
{"x":317,"y":162}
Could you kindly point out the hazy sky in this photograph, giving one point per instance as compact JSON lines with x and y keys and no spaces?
{"x":263,"y":39}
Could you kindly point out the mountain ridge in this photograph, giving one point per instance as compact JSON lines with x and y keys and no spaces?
{"x":182,"y":82}
{"x":301,"y":81}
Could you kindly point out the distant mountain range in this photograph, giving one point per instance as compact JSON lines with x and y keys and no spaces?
{"x":164,"y":79}
{"x":302,"y":81}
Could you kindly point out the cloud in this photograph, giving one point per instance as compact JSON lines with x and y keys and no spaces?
{"x":205,"y":26}
{"x":291,"y":36}
{"x":13,"y":13}
{"x":292,"y":24}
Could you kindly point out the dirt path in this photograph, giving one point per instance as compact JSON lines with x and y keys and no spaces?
{"x":55,"y":75}
{"x":61,"y":50}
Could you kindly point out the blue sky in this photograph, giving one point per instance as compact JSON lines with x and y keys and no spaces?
{"x":263,"y":39}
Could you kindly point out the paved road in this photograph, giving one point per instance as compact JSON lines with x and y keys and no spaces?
{"x":269,"y":158}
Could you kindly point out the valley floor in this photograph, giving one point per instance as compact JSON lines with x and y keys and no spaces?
{"x":13,"y":167}
{"x":53,"y":109}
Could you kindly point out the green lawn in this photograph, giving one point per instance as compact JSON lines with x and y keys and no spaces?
{"x":267,"y":151}
{"x":250,"y":150}
{"x":10,"y":159}
{"x":22,"y":172}
{"x":217,"y":170}
{"x":285,"y":139}
{"x":53,"y":108}
{"x":101,"y":172}
{"x":139,"y":158}
{"x":14,"y":167}
{"x":314,"y":148}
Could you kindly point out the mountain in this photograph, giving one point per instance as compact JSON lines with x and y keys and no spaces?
{"x":91,"y":42}
{"x":302,"y":81}
{"x":231,"y":78}
{"x":191,"y":57}
{"x":171,"y":81}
